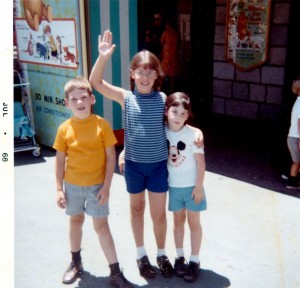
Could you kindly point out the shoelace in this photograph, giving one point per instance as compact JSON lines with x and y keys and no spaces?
{"x":72,"y":265}
{"x":165,"y":264}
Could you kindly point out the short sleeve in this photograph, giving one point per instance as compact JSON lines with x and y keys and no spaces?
{"x":109,"y":137}
{"x":59,"y":142}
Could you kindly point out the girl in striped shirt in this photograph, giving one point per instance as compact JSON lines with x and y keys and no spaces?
{"x":145,"y":146}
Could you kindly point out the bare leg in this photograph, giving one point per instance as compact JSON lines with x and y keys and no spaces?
{"x":295,"y":169}
{"x":106,"y":241}
{"x":196,"y":231}
{"x":178,"y":230}
{"x":75,"y":233}
{"x":137,"y":210}
{"x":157,"y":202}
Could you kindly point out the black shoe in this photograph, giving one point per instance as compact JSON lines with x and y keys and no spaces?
{"x":119,"y":281}
{"x":180,"y":266}
{"x":146,"y":269}
{"x":165,"y":266}
{"x":192,"y":272}
{"x":292,"y":183}
{"x":72,"y":273}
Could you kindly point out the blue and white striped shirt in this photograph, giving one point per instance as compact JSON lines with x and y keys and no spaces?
{"x":145,"y":138}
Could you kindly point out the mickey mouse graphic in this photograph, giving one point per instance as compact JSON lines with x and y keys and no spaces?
{"x":175,"y":159}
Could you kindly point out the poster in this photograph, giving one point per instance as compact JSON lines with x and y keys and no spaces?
{"x":50,"y":35}
{"x":247,"y":33}
{"x":53,"y":44}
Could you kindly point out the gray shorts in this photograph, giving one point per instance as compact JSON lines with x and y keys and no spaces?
{"x":293,"y":145}
{"x":82,"y":199}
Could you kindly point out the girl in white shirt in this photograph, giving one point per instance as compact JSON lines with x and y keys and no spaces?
{"x":186,"y":167}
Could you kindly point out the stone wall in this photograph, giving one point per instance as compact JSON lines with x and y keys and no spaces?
{"x":255,"y":94}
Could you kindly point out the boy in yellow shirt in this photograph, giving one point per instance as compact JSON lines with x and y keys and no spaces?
{"x":85,"y":163}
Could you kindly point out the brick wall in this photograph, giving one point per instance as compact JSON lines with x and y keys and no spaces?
{"x":255,"y":94}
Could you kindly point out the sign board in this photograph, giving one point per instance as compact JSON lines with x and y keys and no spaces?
{"x":247,"y":33}
{"x":50,"y":50}
{"x":53,"y":44}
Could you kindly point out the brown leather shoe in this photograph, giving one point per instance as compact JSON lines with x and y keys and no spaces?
{"x":146,"y":269}
{"x":72,"y":273}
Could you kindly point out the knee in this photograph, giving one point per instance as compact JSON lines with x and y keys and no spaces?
{"x":195,"y":226}
{"x":179,"y":219}
{"x":101,"y":227}
{"x":159,"y":218}
{"x":77,"y":221}
{"x":137,"y":210}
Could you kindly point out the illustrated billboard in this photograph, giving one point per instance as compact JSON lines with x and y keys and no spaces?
{"x":247,"y":33}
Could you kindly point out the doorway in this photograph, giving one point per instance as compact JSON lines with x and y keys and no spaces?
{"x":195,"y":25}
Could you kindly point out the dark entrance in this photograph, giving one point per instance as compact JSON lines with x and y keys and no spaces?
{"x":195,"y":23}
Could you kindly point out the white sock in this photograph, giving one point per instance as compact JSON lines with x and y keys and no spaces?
{"x":160,"y":252}
{"x":140,"y":252}
{"x":179,"y":252}
{"x":194,"y":258}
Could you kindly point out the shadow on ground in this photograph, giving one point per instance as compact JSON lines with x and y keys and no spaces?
{"x":26,"y":157}
{"x":207,"y":279}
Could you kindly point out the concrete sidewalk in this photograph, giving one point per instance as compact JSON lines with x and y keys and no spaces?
{"x":251,"y":235}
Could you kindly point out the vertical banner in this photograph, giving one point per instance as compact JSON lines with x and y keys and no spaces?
{"x":51,"y":48}
{"x":119,"y":16}
{"x":247,"y":33}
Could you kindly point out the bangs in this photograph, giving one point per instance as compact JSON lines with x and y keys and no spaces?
{"x":145,"y":65}
{"x":144,"y":60}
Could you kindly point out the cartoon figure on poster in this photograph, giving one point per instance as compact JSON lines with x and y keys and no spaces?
{"x":35,"y":11}
{"x":30,"y":46}
{"x":51,"y":43}
{"x":242,"y":36}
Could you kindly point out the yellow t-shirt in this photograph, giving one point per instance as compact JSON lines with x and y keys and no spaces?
{"x":84,"y":142}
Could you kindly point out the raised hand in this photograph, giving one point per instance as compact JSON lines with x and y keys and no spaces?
{"x":105,"y":46}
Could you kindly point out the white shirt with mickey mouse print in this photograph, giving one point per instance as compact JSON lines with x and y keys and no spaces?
{"x":181,"y":161}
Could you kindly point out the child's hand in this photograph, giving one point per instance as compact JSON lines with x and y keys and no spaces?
{"x":198,"y":194}
{"x":121,"y":162}
{"x":105,"y":46}
{"x":199,"y":139}
{"x":61,"y":199}
{"x":103,"y":195}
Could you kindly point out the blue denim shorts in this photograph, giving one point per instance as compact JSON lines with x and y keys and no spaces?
{"x":181,"y":198}
{"x":82,"y":199}
{"x":150,"y":176}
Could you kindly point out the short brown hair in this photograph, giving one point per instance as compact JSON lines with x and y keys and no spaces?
{"x":147,"y":60}
{"x":296,"y":87}
{"x":78,"y":82}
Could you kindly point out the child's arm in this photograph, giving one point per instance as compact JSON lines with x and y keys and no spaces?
{"x":105,"y":49}
{"x":199,"y":139}
{"x":103,"y":194}
{"x":59,"y":174}
{"x":197,"y":193}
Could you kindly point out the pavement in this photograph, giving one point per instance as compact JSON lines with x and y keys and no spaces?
{"x":251,"y":229}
